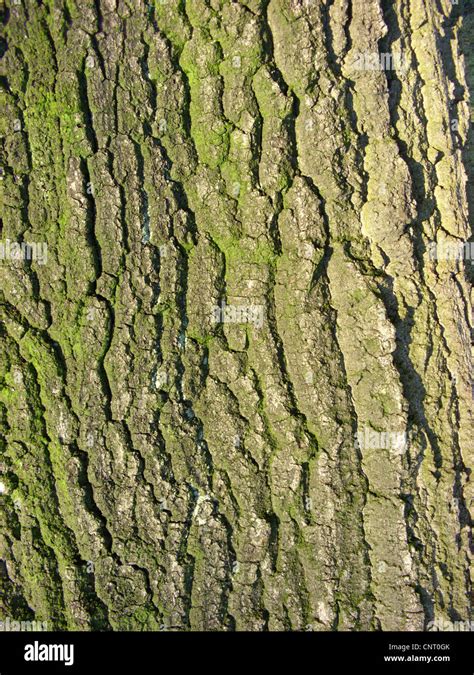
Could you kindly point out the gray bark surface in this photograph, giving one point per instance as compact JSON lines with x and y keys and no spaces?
{"x":162,"y":468}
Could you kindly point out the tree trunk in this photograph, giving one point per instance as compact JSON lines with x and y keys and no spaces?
{"x":236,"y":374}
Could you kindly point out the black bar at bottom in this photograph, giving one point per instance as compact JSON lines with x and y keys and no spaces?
{"x":88,"y":653}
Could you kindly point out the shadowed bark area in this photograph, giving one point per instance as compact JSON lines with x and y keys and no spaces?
{"x":235,"y":382}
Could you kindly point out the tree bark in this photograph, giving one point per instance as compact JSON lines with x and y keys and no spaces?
{"x":236,"y":394}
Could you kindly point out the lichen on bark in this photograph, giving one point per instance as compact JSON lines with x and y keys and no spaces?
{"x":239,"y":291}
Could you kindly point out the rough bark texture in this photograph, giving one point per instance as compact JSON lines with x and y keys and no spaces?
{"x":161,"y":470}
